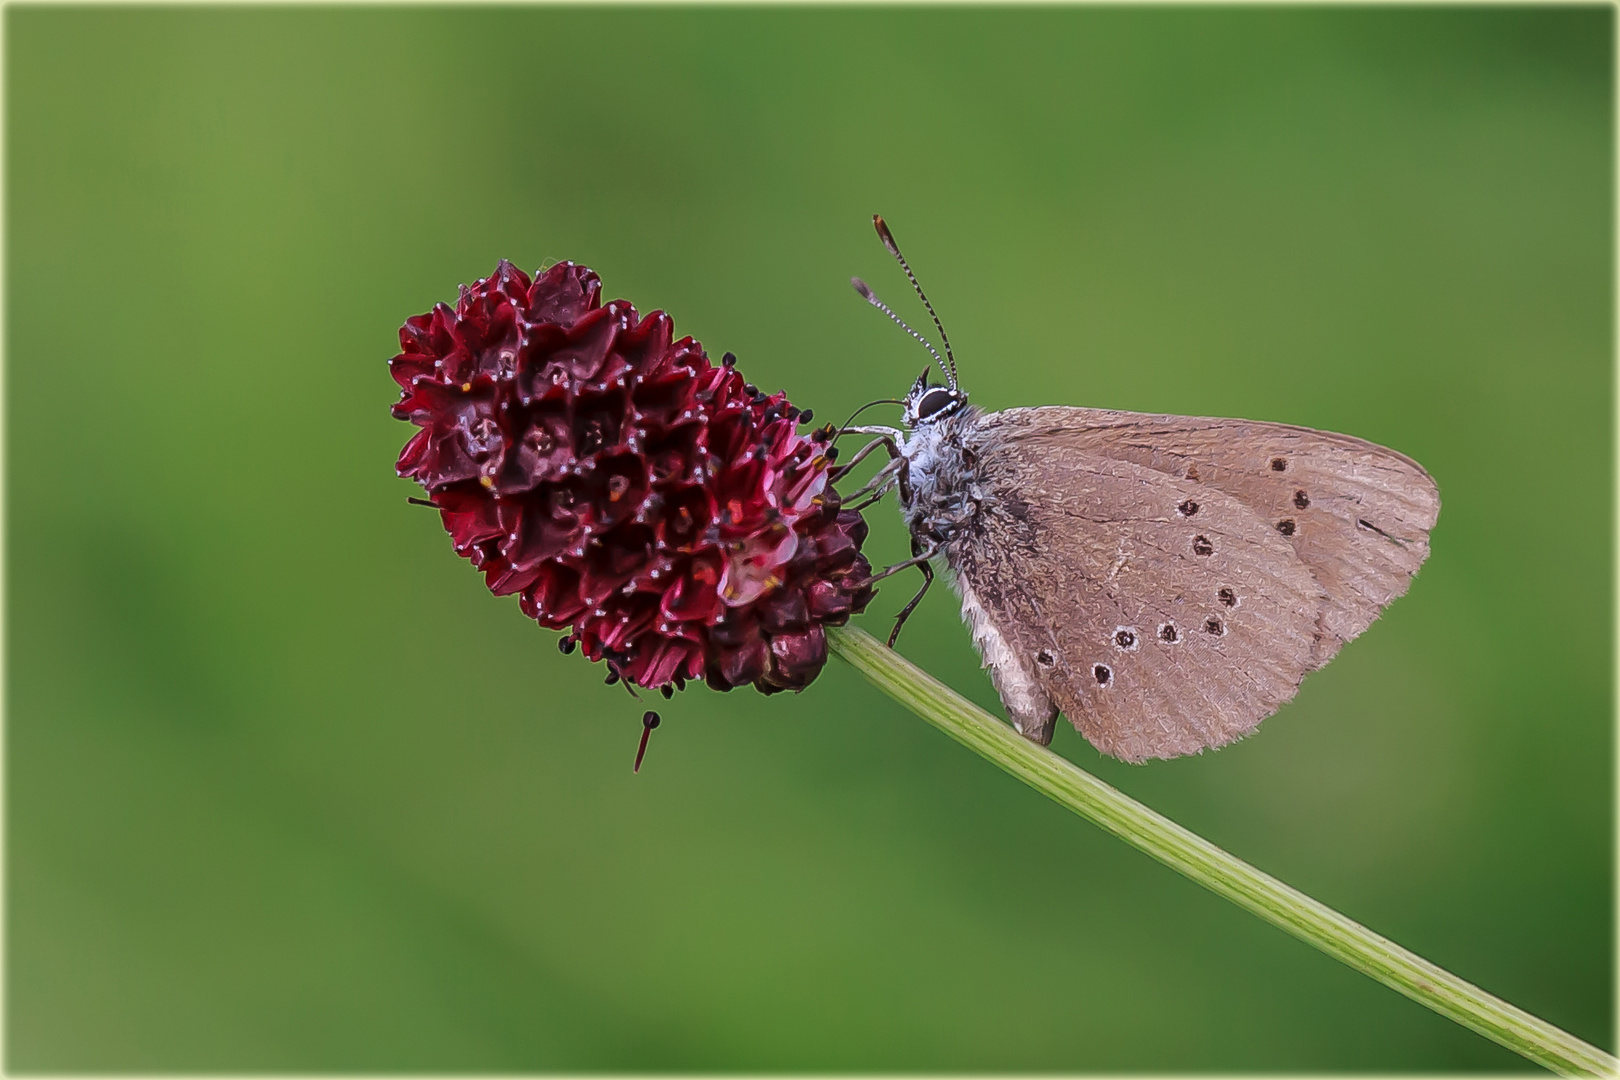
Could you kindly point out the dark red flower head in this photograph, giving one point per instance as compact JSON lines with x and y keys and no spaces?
{"x":668,"y":515}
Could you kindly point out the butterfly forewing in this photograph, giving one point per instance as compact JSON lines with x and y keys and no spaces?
{"x":1168,"y":581}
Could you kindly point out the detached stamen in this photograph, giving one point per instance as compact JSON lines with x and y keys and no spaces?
{"x":648,"y":722}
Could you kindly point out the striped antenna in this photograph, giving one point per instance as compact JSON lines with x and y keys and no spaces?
{"x":894,"y":249}
{"x":871,"y":298}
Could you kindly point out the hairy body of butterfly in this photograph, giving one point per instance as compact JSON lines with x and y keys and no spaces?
{"x":1165,"y":582}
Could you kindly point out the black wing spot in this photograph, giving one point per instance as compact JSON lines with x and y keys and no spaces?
{"x":1125,"y":637}
{"x":1045,"y":658}
{"x":1227,"y":597}
{"x":1102,"y":674}
{"x":1301,"y":500}
{"x":1202,"y":546}
{"x":1278,"y":464}
{"x":1187,"y":509}
{"x":1169,"y":634}
{"x":1212,"y":625}
{"x":1286,"y":526}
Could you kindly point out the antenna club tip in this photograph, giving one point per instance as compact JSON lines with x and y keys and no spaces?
{"x":885,"y":235}
{"x":860,"y":286}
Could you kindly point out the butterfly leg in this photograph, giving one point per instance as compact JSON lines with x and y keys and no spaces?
{"x":885,"y":442}
{"x":881,"y":482}
{"x":905,"y":612}
{"x":878,"y":486}
{"x":893,"y":475}
{"x":889,"y":434}
{"x":919,"y":559}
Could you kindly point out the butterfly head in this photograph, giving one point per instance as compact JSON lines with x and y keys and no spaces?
{"x":926,"y":404}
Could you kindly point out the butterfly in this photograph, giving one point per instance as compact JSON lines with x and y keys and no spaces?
{"x":1165,"y":582}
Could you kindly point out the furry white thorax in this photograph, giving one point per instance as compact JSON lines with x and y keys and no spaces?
{"x":944,"y":493}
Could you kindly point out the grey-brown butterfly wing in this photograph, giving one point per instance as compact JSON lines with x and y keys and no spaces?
{"x":1166,"y":582}
{"x":1358,"y":514}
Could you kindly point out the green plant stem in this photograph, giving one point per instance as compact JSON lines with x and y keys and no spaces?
{"x":1203,"y":862}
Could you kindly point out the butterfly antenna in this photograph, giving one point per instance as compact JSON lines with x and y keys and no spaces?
{"x":894,"y":249}
{"x":871,"y":298}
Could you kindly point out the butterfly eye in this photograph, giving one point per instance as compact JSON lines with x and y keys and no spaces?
{"x":934,"y":401}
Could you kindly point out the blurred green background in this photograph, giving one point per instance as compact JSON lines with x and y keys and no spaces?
{"x":286,"y":789}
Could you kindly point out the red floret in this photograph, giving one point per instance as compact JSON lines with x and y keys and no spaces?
{"x":665,"y":513}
